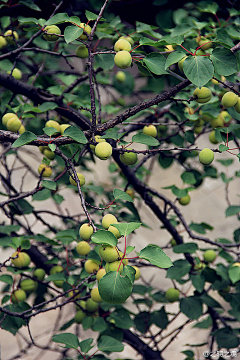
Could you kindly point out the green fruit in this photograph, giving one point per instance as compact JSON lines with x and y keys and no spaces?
{"x":11,"y":36}
{"x":110,"y":253}
{"x":80,"y":315}
{"x":131,"y":193}
{"x":218,"y":122}
{"x":209,"y":255}
{"x":13,"y":124}
{"x":16,"y":73}
{"x":120,"y":76}
{"x":100,"y":274}
{"x":128,"y":158}
{"x":28,"y":285}
{"x":173,"y":242}
{"x":22,"y":259}
{"x":212,"y":137}
{"x":150,"y":130}
{"x":95,"y":296}
{"x":63,"y":127}
{"x":237,"y":105}
{"x":180,"y":63}
{"x":56,"y":269}
{"x":107,"y":220}
{"x":122,"y":44}
{"x":185,"y":200}
{"x":82,"y":51}
{"x":87,"y":29}
{"x":8,"y":117}
{"x":114,"y":266}
{"x":50,"y":32}
{"x":81,"y":179}
{"x":83,"y":248}
{"x":172,"y":294}
{"x":206,"y":156}
{"x":49,"y":154}
{"x":3,"y":42}
{"x":45,"y":170}
{"x":202,"y":95}
{"x":205,"y":44}
{"x":103,"y":150}
{"x":114,"y":231}
{"x":138,"y":272}
{"x":91,"y":305}
{"x":229,"y":99}
{"x":18,"y":296}
{"x":91,"y":266}
{"x":54,"y":124}
{"x":39,"y":274}
{"x":85,"y":231}
{"x":21,"y":130}
{"x":128,"y":38}
{"x":98,"y":140}
{"x":58,"y":283}
{"x":199,"y":267}
{"x":123,"y":59}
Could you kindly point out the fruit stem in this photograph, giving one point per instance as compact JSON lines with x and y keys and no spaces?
{"x":186,"y":50}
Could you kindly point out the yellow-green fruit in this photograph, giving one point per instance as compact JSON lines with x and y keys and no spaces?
{"x":130,"y":192}
{"x":128,"y":38}
{"x":13,"y":125}
{"x":205,"y":44}
{"x":50,"y":32}
{"x":114,"y":266}
{"x":3,"y":42}
{"x":82,"y":51}
{"x":87,"y":29}
{"x":114,"y":231}
{"x":214,"y":82}
{"x":56,"y":269}
{"x":202,"y":95}
{"x":18,"y":296}
{"x":91,"y":305}
{"x":173,"y":242}
{"x":39,"y":274}
{"x":98,"y":140}
{"x":81,"y":303}
{"x":103,"y":150}
{"x":80,"y":315}
{"x":76,"y":293}
{"x":206,"y":156}
{"x":22,"y":129}
{"x":11,"y":36}
{"x":138,"y":272}
{"x":180,"y":63}
{"x":28,"y":285}
{"x":54,"y":124}
{"x":49,"y":154}
{"x":128,"y":158}
{"x":125,"y":261}
{"x":237,"y":105}
{"x":83,"y":248}
{"x":100,"y":274}
{"x":81,"y":179}
{"x":169,"y":48}
{"x":8,"y":117}
{"x":123,"y":59}
{"x":22,"y":259}
{"x":172,"y":294}
{"x":200,"y":52}
{"x":212,"y":137}
{"x":107,"y":220}
{"x":198,"y":129}
{"x":120,"y":76}
{"x":63,"y":127}
{"x":122,"y":44}
{"x":85,"y":231}
{"x":16,"y":73}
{"x":91,"y":266}
{"x":209,"y":255}
{"x":218,"y":122}
{"x":110,"y":253}
{"x":185,"y":200}
{"x":45,"y":170}
{"x":229,"y":99}
{"x":95,"y":296}
{"x":42,"y":148}
{"x":150,"y":130}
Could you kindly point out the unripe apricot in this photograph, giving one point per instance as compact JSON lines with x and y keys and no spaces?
{"x":180,"y":63}
{"x":13,"y":124}
{"x":212,"y":137}
{"x":98,"y":140}
{"x":80,"y":315}
{"x":130,"y":192}
{"x":185,"y":200}
{"x":114,"y":231}
{"x":103,"y":150}
{"x":110,"y":253}
{"x":218,"y":122}
{"x":21,"y":130}
{"x":87,"y":29}
{"x":123,"y":59}
{"x":172,"y":294}
{"x":95,"y":296}
{"x":11,"y":36}
{"x":100,"y":274}
{"x":114,"y":266}
{"x":45,"y":170}
{"x":3,"y":42}
{"x":206,"y":156}
{"x":83,"y":248}
{"x":85,"y":231}
{"x":49,"y":154}
{"x":50,"y":32}
{"x":28,"y":285}
{"x":237,"y":105}
{"x":120,"y":76}
{"x":128,"y":158}
{"x":81,"y":179}
{"x":150,"y":130}
{"x":63,"y":127}
{"x":18,"y":296}
{"x":107,"y":220}
{"x":229,"y":99}
{"x":54,"y":124}
{"x":91,"y":266}
{"x":122,"y":44}
{"x":8,"y":117}
{"x":138,"y":272}
{"x":16,"y":73}
{"x":202,"y":95}
{"x":205,"y":44}
{"x":22,"y":259}
{"x":209,"y":255}
{"x":39,"y":274}
{"x":82,"y":51}
{"x":56,"y":269}
{"x":91,"y":305}
{"x":128,"y":38}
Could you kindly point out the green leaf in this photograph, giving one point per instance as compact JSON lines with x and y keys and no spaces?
{"x":160,"y":318}
{"x":205,"y":324}
{"x":105,"y":61}
{"x":122,"y":318}
{"x":155,"y":256}
{"x":234,"y":274}
{"x":191,"y":307}
{"x":76,"y":134}
{"x":109,"y":344}
{"x":25,"y":138}
{"x":179,"y":269}
{"x":8,"y":229}
{"x":185,"y":248}
{"x":57,"y":19}
{"x":104,"y":237}
{"x":47,"y":106}
{"x":70,"y":340}
{"x":226,"y":338}
{"x":113,"y":288}
{"x":119,"y":194}
{"x":52,"y":147}
{"x":85,"y":345}
{"x":156,"y":63}
{"x":42,"y":195}
{"x":232,"y":210}
{"x":188,"y":177}
{"x":127,"y":228}
{"x":54,"y":277}
{"x":223,"y":147}
{"x":224,"y":61}
{"x":91,"y":16}
{"x":72,"y":33}
{"x":176,"y":191}
{"x":200,"y":228}
{"x":30,"y":4}
{"x":6,"y":279}
{"x":174,"y":57}
{"x":50,"y":131}
{"x":130,"y":272}
{"x":145,"y":139}
{"x":198,"y":281}
{"x":224,"y":38}
{"x":49,"y":184}
{"x":198,"y":69}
